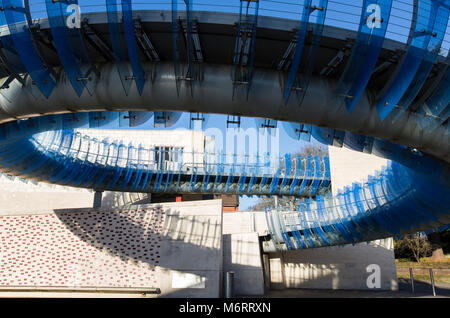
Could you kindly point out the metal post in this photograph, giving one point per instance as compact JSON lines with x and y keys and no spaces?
{"x":411,"y":276}
{"x":98,"y":199}
{"x":229,"y":285}
{"x":432,"y":281}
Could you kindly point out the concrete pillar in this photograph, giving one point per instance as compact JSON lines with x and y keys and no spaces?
{"x":266,"y":271}
{"x":98,"y":199}
{"x":276,"y":268}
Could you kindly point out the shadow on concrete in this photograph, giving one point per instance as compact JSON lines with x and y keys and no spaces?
{"x":422,"y":290}
{"x":242,"y":255}
{"x":117,"y":199}
{"x":186,"y":244}
{"x":337,"y":267}
{"x":118,"y":234}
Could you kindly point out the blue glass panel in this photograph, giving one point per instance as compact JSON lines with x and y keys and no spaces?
{"x":317,"y":30}
{"x":139,"y":118}
{"x":166,"y":119}
{"x":298,"y":239}
{"x":101,"y":168}
{"x":20,"y":33}
{"x":139,"y":169}
{"x":75,"y":120}
{"x":323,"y":135}
{"x":303,"y":28}
{"x":175,"y":49}
{"x":187,"y":33}
{"x":129,"y":167}
{"x":297,"y":175}
{"x":372,"y":30}
{"x":354,"y":141}
{"x":274,"y":183}
{"x":443,"y":116}
{"x":9,"y":54}
{"x":67,"y":144}
{"x":265,"y":123}
{"x":117,"y":43}
{"x":147,"y":179}
{"x":439,"y":100}
{"x":51,"y":168}
{"x":298,"y":131}
{"x":68,"y":41}
{"x":317,"y":175}
{"x":368,"y":144}
{"x":87,"y":165}
{"x":71,"y":165}
{"x":118,"y":166}
{"x":198,"y":120}
{"x":411,"y":62}
{"x":326,"y":173}
{"x":106,"y":120}
{"x":51,"y":122}
{"x":124,"y":119}
{"x":130,"y":37}
{"x":429,"y":58}
{"x":338,"y":139}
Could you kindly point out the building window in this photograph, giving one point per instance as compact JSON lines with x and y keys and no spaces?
{"x":167,"y":156}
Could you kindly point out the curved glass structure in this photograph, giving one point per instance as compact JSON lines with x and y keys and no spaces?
{"x":370,"y":75}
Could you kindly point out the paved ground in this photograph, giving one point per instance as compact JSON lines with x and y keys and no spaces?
{"x":422,"y":290}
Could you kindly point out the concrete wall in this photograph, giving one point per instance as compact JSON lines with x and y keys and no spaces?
{"x":189,"y":140}
{"x":241,"y":250}
{"x":241,"y":255}
{"x":19,"y":195}
{"x":338,"y":267}
{"x":348,"y":166}
{"x":335,"y":267}
{"x":175,"y":247}
{"x":245,"y":222}
{"x":82,"y":248}
{"x":191,"y":250}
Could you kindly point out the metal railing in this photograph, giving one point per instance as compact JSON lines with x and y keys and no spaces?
{"x":344,"y":14}
{"x":168,"y":158}
{"x":391,"y":203}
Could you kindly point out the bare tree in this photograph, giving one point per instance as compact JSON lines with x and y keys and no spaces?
{"x":314,"y":150}
{"x":417,"y":245}
{"x":269,"y":202}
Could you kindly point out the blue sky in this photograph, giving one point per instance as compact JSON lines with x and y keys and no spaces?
{"x":286,"y":143}
{"x":342,"y":13}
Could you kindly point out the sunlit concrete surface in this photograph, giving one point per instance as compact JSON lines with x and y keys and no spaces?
{"x":191,"y":258}
{"x":161,"y":250}
{"x":335,"y":267}
{"x":242,"y":255}
{"x":338,"y":267}
{"x":21,"y":196}
{"x":348,"y":166}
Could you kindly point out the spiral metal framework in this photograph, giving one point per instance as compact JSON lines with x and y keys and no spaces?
{"x":67,"y":157}
{"x":373,"y":72}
